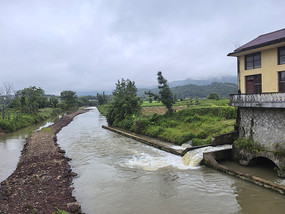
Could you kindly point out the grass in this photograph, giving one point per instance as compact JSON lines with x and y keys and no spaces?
{"x":191,"y":103}
{"x":15,"y":119}
{"x":103,"y":109}
{"x":157,"y":107}
{"x":188,"y":124}
{"x":195,"y":120}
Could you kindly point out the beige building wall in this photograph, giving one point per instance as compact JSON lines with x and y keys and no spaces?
{"x":269,"y":70}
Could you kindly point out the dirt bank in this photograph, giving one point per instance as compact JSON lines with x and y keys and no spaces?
{"x":41,"y":182}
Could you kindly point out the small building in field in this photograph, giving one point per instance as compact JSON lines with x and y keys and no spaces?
{"x":261,"y":97}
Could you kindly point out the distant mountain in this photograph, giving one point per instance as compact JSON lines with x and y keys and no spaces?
{"x":91,"y":93}
{"x":224,"y":79}
{"x":203,"y":91}
{"x":200,"y":91}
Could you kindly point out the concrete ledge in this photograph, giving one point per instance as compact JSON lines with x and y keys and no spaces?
{"x":165,"y":146}
{"x":222,"y":139}
{"x":210,"y":160}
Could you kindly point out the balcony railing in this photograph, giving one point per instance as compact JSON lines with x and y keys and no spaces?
{"x":265,"y":100}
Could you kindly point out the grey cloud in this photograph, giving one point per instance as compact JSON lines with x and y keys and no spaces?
{"x":89,"y":45}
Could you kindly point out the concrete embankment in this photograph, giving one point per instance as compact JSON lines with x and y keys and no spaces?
{"x":42,"y":180}
{"x":210,"y":159}
{"x":168,"y":147}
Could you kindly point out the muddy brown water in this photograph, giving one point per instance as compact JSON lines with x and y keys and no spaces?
{"x":119,"y":175}
{"x":11,"y":145}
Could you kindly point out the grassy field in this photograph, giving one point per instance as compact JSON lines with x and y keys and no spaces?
{"x":193,"y":120}
{"x":195,"y":124}
{"x":157,"y":107}
{"x":191,"y":102}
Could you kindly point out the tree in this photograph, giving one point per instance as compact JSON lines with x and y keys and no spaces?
{"x":102,"y":99}
{"x":125,"y":102}
{"x":83,"y":101}
{"x":214,"y":96}
{"x":31,"y":99}
{"x":165,"y":94}
{"x":6,"y":96}
{"x":53,"y":101}
{"x":69,"y":98}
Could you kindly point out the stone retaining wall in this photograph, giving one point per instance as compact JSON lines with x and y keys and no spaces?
{"x":263,"y":125}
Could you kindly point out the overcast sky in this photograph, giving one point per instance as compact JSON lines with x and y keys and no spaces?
{"x":87,"y":45}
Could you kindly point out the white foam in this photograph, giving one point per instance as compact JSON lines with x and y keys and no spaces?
{"x":193,"y":158}
{"x":150,"y":162}
{"x":280,"y":182}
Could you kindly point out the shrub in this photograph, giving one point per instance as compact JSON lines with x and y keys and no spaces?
{"x":201,"y":142}
{"x":154,"y":131}
{"x":249,"y":145}
{"x":214,"y":96}
{"x":194,"y":118}
{"x":155,"y":117}
{"x":202,"y":135}
{"x":139,"y":125}
{"x":186,"y":137}
{"x":7,"y":126}
{"x":126,"y":123}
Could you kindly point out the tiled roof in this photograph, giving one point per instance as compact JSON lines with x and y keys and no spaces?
{"x":263,"y":40}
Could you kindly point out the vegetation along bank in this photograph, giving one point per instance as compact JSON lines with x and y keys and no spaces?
{"x":31,"y":105}
{"x":176,"y":121}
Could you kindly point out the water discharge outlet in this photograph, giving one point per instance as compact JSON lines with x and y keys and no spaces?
{"x":193,"y":158}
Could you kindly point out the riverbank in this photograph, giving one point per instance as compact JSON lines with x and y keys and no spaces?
{"x":16,"y":120}
{"x":196,"y":124}
{"x":42,"y":180}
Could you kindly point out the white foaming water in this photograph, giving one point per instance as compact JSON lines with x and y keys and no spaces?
{"x":280,"y":181}
{"x":193,"y":158}
{"x":155,"y":161}
{"x":161,"y":159}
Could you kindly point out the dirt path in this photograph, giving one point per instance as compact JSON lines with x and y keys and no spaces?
{"x":41,"y":182}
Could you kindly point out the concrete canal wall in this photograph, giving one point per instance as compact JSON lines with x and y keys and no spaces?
{"x":211,"y":160}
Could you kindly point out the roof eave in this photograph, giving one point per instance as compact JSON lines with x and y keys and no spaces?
{"x":276,"y":41}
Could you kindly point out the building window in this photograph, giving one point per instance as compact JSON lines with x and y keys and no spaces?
{"x":253,"y":84}
{"x":281,"y":81}
{"x":281,"y":55}
{"x":253,"y":61}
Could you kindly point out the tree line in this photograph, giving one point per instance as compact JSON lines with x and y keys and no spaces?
{"x":30,"y":100}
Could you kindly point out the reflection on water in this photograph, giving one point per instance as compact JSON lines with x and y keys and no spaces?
{"x":119,"y":175}
{"x":263,"y":171}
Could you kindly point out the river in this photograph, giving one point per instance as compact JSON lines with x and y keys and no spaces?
{"x":11,"y":145}
{"x":119,"y":175}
